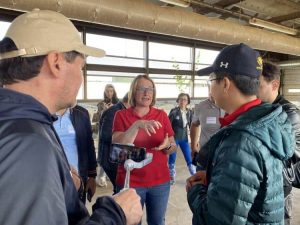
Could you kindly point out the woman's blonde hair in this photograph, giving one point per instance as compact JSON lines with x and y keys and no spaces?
{"x":133,"y":87}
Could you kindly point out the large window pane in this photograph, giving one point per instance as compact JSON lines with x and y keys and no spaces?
{"x":119,"y":51}
{"x":167,"y":86}
{"x":200,"y":87}
{"x":166,"y":56}
{"x":204,"y":57}
{"x":96,"y":81}
{"x":170,"y":65}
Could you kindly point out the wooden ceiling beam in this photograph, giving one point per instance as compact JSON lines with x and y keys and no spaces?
{"x":214,"y":8}
{"x":287,"y":17}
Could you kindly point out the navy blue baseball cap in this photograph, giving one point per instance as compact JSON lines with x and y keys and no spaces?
{"x":236,"y":60}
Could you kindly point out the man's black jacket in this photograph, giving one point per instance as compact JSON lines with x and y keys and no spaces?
{"x":290,"y":175}
{"x":85,"y":144}
{"x":36,"y":185}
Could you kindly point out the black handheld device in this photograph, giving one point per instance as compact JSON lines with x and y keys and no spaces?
{"x":119,"y":153}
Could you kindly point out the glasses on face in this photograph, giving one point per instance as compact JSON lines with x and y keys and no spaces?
{"x":211,"y":80}
{"x":144,"y":89}
{"x":183,"y":99}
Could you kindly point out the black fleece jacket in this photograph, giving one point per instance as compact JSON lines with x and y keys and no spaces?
{"x":36,"y":185}
{"x":292,"y":167}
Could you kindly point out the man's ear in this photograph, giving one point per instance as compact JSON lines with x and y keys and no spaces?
{"x":54,"y":60}
{"x":226,"y":84}
{"x":275,"y":85}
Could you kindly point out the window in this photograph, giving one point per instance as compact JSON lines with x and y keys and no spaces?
{"x":168,"y":87}
{"x":204,"y":57}
{"x":119,"y":51}
{"x":170,"y":65}
{"x":200,"y":87}
{"x":96,"y":81}
{"x":166,"y":56}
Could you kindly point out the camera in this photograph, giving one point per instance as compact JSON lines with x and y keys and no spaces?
{"x":119,"y":153}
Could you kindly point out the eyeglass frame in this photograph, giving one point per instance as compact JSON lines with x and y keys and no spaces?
{"x":183,"y":99}
{"x":143,"y":89}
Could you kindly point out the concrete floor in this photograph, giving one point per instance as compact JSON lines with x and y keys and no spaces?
{"x":178,"y":212}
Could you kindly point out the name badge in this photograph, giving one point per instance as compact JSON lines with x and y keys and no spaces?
{"x":211,"y":120}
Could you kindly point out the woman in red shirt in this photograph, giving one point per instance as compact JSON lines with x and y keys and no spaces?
{"x":148,"y":127}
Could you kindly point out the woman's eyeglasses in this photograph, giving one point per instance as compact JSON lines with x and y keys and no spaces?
{"x":144,"y":89}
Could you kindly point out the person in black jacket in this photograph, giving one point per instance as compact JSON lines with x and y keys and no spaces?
{"x":41,"y":75}
{"x":75,"y":132}
{"x":181,"y":119}
{"x":105,"y":134}
{"x":269,"y":92}
{"x":109,"y":99}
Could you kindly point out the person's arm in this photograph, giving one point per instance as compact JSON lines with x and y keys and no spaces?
{"x":195,"y":131}
{"x":194,"y":135}
{"x":123,"y":208}
{"x":190,"y":118}
{"x":90,"y":186}
{"x":172,"y":115}
{"x":128,"y":136}
{"x":168,"y":146}
{"x":294,"y":118}
{"x":296,"y":182}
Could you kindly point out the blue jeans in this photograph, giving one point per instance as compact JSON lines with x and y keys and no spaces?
{"x":156,"y":200}
{"x":186,"y":150}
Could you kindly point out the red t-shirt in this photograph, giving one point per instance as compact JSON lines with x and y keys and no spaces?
{"x":157,"y":171}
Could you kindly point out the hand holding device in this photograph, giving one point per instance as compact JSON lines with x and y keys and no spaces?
{"x":132,"y":157}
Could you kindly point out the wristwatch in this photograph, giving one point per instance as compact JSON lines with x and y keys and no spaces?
{"x":169,"y":147}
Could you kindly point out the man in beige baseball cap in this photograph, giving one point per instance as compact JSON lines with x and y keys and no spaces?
{"x":41,"y":61}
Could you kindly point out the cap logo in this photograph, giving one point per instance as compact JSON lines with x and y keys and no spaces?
{"x":260,"y":63}
{"x":225,"y":65}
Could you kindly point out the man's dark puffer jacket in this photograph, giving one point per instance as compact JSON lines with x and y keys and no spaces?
{"x":293,"y":113}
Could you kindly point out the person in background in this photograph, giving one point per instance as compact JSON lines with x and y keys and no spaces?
{"x":205,"y":123}
{"x":146,"y":126}
{"x":240,"y":185}
{"x":75,"y":133}
{"x":105,"y":135}
{"x":109,"y":99}
{"x":41,"y":75}
{"x":181,"y":118}
{"x":269,"y":92}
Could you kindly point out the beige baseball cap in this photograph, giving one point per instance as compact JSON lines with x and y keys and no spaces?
{"x":41,"y":31}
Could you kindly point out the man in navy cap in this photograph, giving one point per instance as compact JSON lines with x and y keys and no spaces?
{"x":240,"y":185}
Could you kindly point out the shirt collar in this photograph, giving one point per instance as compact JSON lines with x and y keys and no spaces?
{"x":229,"y":118}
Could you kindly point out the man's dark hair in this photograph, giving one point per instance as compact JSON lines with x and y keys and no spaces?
{"x":23,"y":68}
{"x":247,"y":85}
{"x":271,"y":71}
